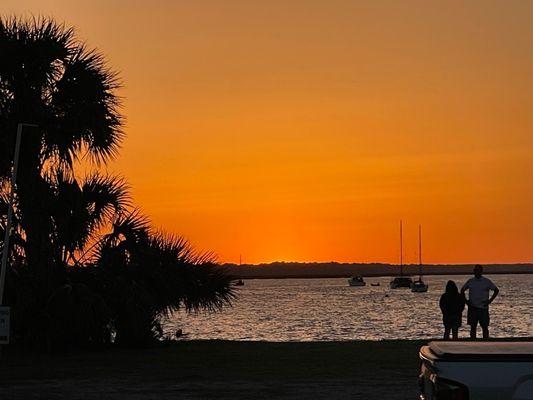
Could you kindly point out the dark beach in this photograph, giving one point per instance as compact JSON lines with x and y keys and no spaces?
{"x":218,"y":370}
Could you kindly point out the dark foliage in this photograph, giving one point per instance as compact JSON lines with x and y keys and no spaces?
{"x":84,"y":268}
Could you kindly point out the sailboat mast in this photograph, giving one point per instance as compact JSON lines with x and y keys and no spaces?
{"x":401,"y":249}
{"x":420,"y":251}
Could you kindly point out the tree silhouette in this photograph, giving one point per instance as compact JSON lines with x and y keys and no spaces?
{"x":85,"y":265}
{"x":50,"y":79}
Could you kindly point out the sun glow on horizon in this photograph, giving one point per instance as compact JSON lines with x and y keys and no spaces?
{"x":305,"y":131}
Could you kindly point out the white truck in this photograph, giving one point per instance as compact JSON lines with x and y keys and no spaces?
{"x":456,"y":370}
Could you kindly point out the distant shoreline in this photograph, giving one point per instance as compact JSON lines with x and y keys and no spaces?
{"x":369,"y":276}
{"x":282,"y":270}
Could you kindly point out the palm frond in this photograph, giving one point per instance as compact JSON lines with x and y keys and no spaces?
{"x":33,"y":49}
{"x":80,"y":210}
{"x":190,"y":278}
{"x":106,"y":196}
{"x":86,"y":108}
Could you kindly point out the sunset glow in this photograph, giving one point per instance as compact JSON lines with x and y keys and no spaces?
{"x":305,"y":130}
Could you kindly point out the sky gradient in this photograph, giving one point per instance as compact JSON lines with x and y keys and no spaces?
{"x":305,"y":130}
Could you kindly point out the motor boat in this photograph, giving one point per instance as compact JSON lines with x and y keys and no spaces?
{"x":356,"y":281}
{"x":240,"y":282}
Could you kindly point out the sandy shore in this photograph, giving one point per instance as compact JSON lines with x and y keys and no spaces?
{"x":218,"y":370}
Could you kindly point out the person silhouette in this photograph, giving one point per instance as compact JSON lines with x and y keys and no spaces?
{"x":478,"y":302}
{"x":452,"y":304}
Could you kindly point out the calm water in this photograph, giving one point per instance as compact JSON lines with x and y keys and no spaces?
{"x":328,"y":309}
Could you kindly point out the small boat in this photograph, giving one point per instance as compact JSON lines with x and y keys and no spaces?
{"x":375,"y":284}
{"x":356,"y":281}
{"x":401,"y":281}
{"x":240,"y":282}
{"x":419,"y":286}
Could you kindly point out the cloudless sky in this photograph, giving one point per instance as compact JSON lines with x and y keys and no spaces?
{"x":304,"y":130}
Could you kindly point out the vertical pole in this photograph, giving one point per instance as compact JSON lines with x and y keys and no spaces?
{"x":401,"y":249}
{"x":7,"y":235}
{"x":420,"y":250}
{"x":420,"y":244}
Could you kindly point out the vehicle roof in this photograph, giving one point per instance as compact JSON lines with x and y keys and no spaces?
{"x":460,"y":350}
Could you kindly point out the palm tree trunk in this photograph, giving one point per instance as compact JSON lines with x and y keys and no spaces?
{"x":35,"y":220}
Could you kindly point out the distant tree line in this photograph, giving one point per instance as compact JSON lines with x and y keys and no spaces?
{"x":85,"y":268}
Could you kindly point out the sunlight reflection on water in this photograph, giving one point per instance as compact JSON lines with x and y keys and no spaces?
{"x":328,"y":309}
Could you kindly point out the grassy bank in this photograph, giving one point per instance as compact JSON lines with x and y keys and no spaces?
{"x":218,"y":370}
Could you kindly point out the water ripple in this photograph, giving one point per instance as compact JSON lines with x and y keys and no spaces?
{"x":328,"y":309}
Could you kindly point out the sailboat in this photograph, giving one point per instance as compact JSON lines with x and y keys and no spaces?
{"x":240,"y":282}
{"x":419,"y":286}
{"x":401,"y":281}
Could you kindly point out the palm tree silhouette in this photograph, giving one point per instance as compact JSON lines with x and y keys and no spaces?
{"x":149,"y":275}
{"x":52,"y":80}
{"x":78,"y":211}
{"x":90,"y":261}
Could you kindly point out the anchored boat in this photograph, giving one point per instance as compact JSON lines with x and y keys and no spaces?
{"x":401,"y":281}
{"x":356,"y":281}
{"x":419,"y":286}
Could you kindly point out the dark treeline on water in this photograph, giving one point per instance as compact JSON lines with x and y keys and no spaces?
{"x":343,"y":270}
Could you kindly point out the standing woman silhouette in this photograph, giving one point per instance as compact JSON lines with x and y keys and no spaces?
{"x":452,"y":304}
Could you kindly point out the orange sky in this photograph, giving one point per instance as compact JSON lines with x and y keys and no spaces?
{"x":304,"y":130}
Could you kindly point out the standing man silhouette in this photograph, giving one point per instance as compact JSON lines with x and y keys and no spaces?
{"x":478,"y":302}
